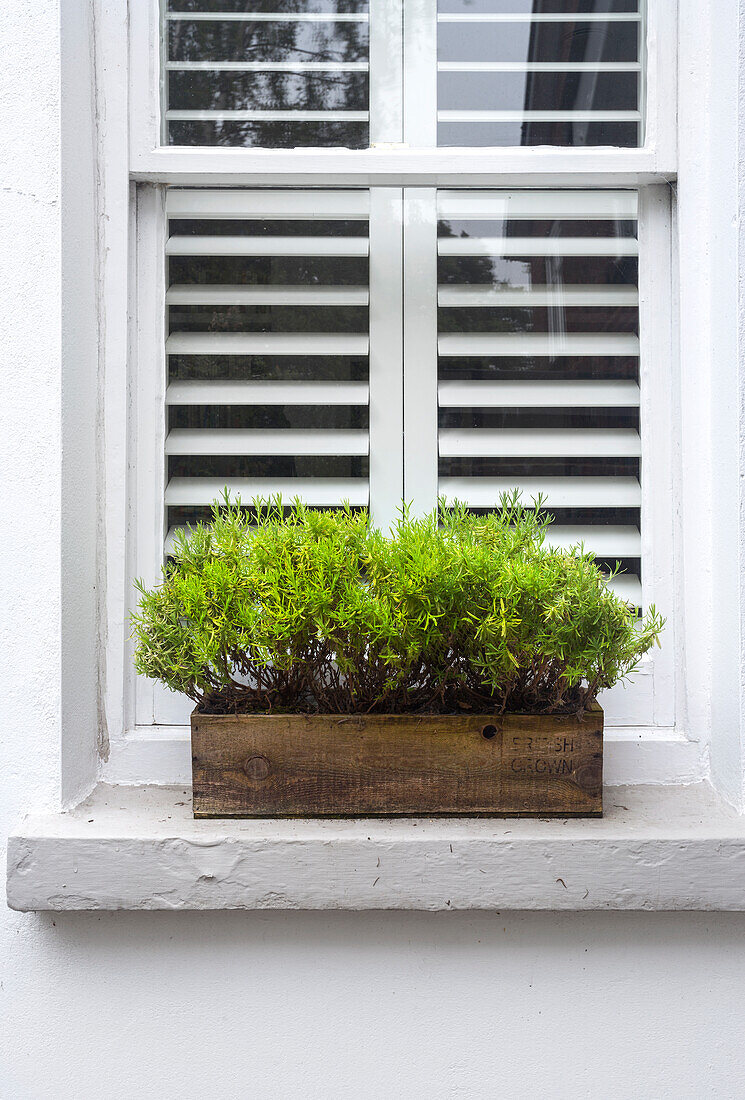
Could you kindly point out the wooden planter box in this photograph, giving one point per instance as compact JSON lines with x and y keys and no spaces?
{"x":385,"y":764}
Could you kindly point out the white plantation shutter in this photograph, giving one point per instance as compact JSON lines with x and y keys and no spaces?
{"x":535,"y":332}
{"x":267,"y":348}
{"x":377,"y":345}
{"x":332,"y":343}
{"x":521,"y":326}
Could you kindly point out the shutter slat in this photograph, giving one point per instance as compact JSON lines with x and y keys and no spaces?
{"x":469,"y":296}
{"x":267,"y":16}
{"x":560,"y":492}
{"x":266,"y":116}
{"x":511,"y":344}
{"x":565,"y":394}
{"x":251,"y":441}
{"x":267,"y":246}
{"x":223,"y":392}
{"x":545,"y":205}
{"x":269,"y":66}
{"x":627,"y":587}
{"x":271,"y":343}
{"x":539,"y":443}
{"x":201,"y":295}
{"x":270,"y":205}
{"x":605,"y":541}
{"x":537,"y":246}
{"x":316,"y":492}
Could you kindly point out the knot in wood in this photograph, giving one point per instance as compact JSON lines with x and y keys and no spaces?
{"x":257,"y":768}
{"x":589,"y":778}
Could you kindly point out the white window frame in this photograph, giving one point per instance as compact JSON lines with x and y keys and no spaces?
{"x":661,"y":751}
{"x":391,"y":161}
{"x":407,"y":399}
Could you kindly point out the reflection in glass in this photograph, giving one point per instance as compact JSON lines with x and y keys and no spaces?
{"x":261,"y":466}
{"x":530,"y":7}
{"x":514,"y":72}
{"x":264,"y":41}
{"x":268,"y":416}
{"x":537,"y":42}
{"x":267,"y":318}
{"x":335,"y":90}
{"x":263,"y":368}
{"x":538,"y":364}
{"x":506,"y":91}
{"x":264,"y":75}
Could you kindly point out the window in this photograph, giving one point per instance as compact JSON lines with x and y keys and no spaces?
{"x":354,"y":283}
{"x":505,"y":72}
{"x":274,"y":75}
{"x":267,"y":349}
{"x":539,"y":74}
{"x":538,"y":360}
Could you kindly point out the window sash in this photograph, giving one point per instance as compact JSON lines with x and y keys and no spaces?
{"x":402,"y":225}
{"x":391,"y":164}
{"x":403,"y":129}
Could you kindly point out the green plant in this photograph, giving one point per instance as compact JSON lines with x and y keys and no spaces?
{"x":316,"y":611}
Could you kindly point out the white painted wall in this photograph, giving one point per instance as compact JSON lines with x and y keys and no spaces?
{"x":282,"y":1005}
{"x":297,"y":1006}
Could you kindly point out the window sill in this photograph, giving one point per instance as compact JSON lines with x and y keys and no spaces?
{"x":657,"y":847}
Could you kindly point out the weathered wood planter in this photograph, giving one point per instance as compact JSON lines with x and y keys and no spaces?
{"x":363,"y":765}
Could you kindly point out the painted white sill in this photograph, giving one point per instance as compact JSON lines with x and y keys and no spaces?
{"x":139,"y":848}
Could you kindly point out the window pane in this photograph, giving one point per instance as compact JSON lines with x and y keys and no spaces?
{"x":268,"y":301}
{"x":279,"y":74}
{"x":539,"y":72}
{"x":538,"y":352}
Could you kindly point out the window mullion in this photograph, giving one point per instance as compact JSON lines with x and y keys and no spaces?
{"x":386,"y":354}
{"x":420,"y":348}
{"x":386,"y":72}
{"x":420,"y":73}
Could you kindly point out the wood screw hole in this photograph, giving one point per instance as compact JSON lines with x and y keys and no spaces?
{"x":489,"y":732}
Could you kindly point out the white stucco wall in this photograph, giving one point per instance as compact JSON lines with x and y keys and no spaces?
{"x":282,"y":1005}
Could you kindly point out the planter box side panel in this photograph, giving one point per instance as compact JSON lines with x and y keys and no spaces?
{"x":367,"y":765}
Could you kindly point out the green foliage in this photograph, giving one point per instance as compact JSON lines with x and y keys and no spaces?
{"x":316,"y":611}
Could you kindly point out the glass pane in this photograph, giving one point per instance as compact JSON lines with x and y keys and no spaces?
{"x":269,"y":318}
{"x":506,"y":91}
{"x":268,"y":466}
{"x":285,"y":41}
{"x":528,"y":7}
{"x":268,"y":416}
{"x":275,"y":74}
{"x":535,"y":72}
{"x":265,"y":368}
{"x":537,"y":42}
{"x":275,"y":91}
{"x":538,"y":360}
{"x":267,"y":321}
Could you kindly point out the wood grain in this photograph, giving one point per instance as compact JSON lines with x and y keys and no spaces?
{"x":369,"y":765}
